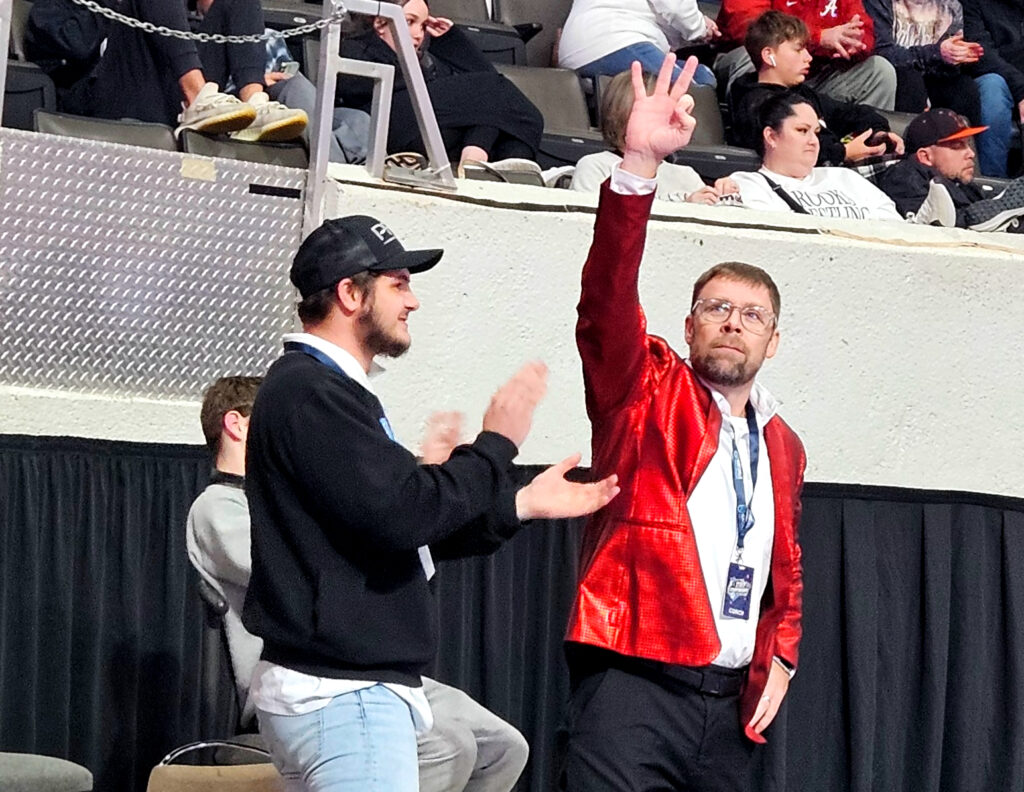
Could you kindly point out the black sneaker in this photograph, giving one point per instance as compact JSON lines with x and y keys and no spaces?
{"x":992,"y":213}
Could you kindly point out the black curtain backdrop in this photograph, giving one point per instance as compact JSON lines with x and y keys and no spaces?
{"x":911,"y":677}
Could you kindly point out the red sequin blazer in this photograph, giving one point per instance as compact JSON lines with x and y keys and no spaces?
{"x":641,"y":591}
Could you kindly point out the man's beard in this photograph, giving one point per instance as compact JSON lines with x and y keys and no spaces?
{"x":378,"y":341}
{"x":726,"y":373}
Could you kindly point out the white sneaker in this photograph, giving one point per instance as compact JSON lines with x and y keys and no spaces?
{"x":273,"y":121}
{"x":214,"y":112}
{"x":937,"y":209}
{"x":512,"y":171}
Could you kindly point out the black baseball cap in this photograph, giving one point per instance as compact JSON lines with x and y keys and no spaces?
{"x":937,"y":126}
{"x":345,"y":246}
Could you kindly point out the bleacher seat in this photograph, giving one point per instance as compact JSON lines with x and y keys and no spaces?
{"x":127,"y":131}
{"x":559,"y":97}
{"x":28,"y":88}
{"x":289,"y":155}
{"x":498,"y":42}
{"x":898,"y":121}
{"x":550,"y":15}
{"x":32,"y":773}
{"x":286,"y":14}
{"x":708,"y":153}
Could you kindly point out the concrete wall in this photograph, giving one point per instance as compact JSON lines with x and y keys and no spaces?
{"x":900,"y":364}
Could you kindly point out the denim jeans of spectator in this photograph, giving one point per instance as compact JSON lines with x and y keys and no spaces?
{"x":997,"y":115}
{"x":350,"y":128}
{"x":362,"y":741}
{"x":650,"y":58}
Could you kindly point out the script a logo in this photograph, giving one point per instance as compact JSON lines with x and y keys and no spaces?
{"x":383,"y":233}
{"x":831,"y":9}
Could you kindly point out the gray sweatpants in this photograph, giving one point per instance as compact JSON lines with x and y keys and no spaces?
{"x":470,"y":748}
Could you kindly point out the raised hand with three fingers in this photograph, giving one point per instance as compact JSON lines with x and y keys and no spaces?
{"x":660,"y":123}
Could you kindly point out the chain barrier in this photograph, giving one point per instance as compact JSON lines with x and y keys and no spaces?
{"x":338,"y":14}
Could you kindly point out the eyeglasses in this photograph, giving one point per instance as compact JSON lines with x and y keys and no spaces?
{"x":755,"y":318}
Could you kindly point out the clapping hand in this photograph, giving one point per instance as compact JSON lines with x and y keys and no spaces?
{"x":660,"y":123}
{"x":551,"y":496}
{"x":443,"y":433}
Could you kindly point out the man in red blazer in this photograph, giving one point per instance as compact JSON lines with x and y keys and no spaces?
{"x":684,"y":632}
{"x":842,"y":41}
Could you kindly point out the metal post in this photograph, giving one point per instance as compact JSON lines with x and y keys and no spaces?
{"x":440,"y":169}
{"x":323,"y":121}
{"x":383,"y":76}
{"x":6,"y":13}
{"x":439,"y":175}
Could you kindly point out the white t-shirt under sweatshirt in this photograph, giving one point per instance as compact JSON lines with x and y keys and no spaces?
{"x":826,"y":192}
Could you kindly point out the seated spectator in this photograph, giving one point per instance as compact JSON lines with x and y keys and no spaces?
{"x":939,"y":170}
{"x":997,"y":26}
{"x":159,"y":78}
{"x":841,"y":41}
{"x":777,"y":46}
{"x":788,"y":179}
{"x":606,"y":36}
{"x":482,"y":116}
{"x":217,"y":533}
{"x":675,"y":182}
{"x":935,"y":65}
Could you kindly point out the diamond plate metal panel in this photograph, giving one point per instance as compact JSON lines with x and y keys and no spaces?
{"x":119,"y":275}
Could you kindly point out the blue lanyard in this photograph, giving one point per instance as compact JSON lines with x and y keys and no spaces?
{"x":332,"y":364}
{"x":744,"y":515}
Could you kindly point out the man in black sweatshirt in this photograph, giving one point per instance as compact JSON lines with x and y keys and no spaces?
{"x":346,"y":525}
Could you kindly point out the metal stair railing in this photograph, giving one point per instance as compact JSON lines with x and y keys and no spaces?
{"x":439,"y":173}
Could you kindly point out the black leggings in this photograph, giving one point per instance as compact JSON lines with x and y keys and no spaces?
{"x":496,"y":143}
{"x":955,"y":91}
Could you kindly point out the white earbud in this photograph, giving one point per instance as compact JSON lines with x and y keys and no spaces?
{"x":771,"y":59}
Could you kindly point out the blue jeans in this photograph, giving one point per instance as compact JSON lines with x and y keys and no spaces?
{"x":650,"y":58}
{"x":361,"y":742}
{"x":350,"y":127}
{"x":997,"y":115}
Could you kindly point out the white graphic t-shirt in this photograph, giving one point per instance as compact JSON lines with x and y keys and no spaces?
{"x":923,"y":23}
{"x":826,"y":192}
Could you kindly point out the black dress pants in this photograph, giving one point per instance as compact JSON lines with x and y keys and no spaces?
{"x":649,"y":732}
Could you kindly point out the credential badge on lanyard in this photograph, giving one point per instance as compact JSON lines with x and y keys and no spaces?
{"x":740,"y":582}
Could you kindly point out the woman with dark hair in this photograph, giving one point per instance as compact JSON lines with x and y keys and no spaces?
{"x":482,"y":116}
{"x":788,"y":179}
